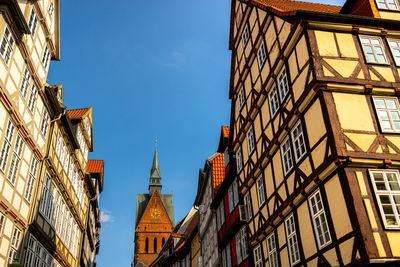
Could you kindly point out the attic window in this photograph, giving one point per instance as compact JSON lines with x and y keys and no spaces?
{"x":388,"y":4}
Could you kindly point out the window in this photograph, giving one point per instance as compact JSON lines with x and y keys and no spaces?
{"x":146,"y":245}
{"x":241,"y":245}
{"x":260,"y":192}
{"x":14,"y":244}
{"x":388,"y":4}
{"x":46,"y":57}
{"x":319,"y":220}
{"x":32,"y":98}
{"x":155,"y":245}
{"x":233,"y":195}
{"x":51,"y":9}
{"x":250,"y":141}
{"x":247,"y":204}
{"x":286,"y":156}
{"x":395,"y":48}
{"x":273,"y":101}
{"x":7,"y":46}
{"x":31,"y":179}
{"x":373,"y":49}
{"x":5,"y":150}
{"x":16,"y":158}
{"x":239,"y":160}
{"x":37,"y":255}
{"x":245,"y":35}
{"x":45,"y":123}
{"x":241,"y":98}
{"x":283,"y":84}
{"x":291,"y":237}
{"x":33,"y":20}
{"x":261,"y":55}
{"x":258,"y":261}
{"x":272,"y":253}
{"x":226,"y":256}
{"x":220,"y":215}
{"x":387,"y":191}
{"x":46,"y":201}
{"x":388,"y":112}
{"x":298,"y":142}
{"x":25,"y":83}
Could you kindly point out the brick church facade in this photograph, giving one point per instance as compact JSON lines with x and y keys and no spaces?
{"x":154,"y":219}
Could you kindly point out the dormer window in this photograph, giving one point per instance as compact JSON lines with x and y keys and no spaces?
{"x":388,"y":4}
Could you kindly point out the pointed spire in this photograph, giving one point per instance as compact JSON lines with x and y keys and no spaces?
{"x":155,"y":174}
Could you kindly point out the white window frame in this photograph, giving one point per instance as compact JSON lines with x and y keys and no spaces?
{"x":319,"y":220}
{"x":261,"y":55}
{"x":272,"y":252}
{"x":241,"y":245}
{"x":374,"y":49}
{"x":15,"y":240}
{"x":251,"y":143}
{"x":245,"y":35}
{"x":235,"y":192}
{"x":15,"y":159}
{"x":389,"y":112}
{"x":31,"y":179}
{"x":394,"y":45}
{"x":239,"y":160}
{"x":390,"y":193}
{"x":226,"y":256}
{"x":258,"y":259}
{"x":286,"y":155}
{"x":220,"y":214}
{"x":5,"y":150}
{"x":46,"y":57}
{"x":241,"y":98}
{"x":283,"y":84}
{"x":299,"y":143}
{"x":387,"y":3}
{"x":33,"y":22}
{"x":51,"y":9}
{"x":45,"y":123}
{"x":7,"y":45}
{"x":260,"y":191}
{"x":32,"y":98}
{"x":26,"y":78}
{"x":292,"y":243}
{"x":247,"y":204}
{"x":273,"y":100}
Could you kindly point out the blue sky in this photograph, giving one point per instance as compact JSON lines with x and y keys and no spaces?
{"x":159,"y":68}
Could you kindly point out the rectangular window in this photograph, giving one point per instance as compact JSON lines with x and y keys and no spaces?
{"x":230,"y":199}
{"x":14,"y":244}
{"x":286,"y":153}
{"x":33,"y":20}
{"x":241,"y":245}
{"x":388,"y":4}
{"x":239,"y":160}
{"x":387,"y":191}
{"x":15,"y":159}
{"x":32,"y":98}
{"x":31,"y":179}
{"x":45,"y":123}
{"x":273,"y":100}
{"x":283,"y":84}
{"x":51,"y":9}
{"x":226,"y":256}
{"x":292,"y":240}
{"x":7,"y":46}
{"x":1,"y":222}
{"x":388,"y":112}
{"x":247,"y":204}
{"x":319,"y":220}
{"x":298,"y":142}
{"x":46,"y":57}
{"x":235,"y":193}
{"x":47,"y":201}
{"x":250,"y":141}
{"x":5,"y":150}
{"x":395,"y":48}
{"x":261,"y":55}
{"x":260,"y":192}
{"x":272,"y":253}
{"x":245,"y":35}
{"x":373,"y":49}
{"x":258,"y":261}
{"x":25,"y":83}
{"x":220,"y":215}
{"x":241,"y":98}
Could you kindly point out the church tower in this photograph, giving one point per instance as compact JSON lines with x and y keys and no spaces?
{"x":154,"y":218}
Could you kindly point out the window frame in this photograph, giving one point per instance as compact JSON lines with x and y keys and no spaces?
{"x":272,"y":251}
{"x":247,"y":203}
{"x":7,"y":144}
{"x":394,"y":48}
{"x":318,"y":215}
{"x":260,"y":188}
{"x":33,"y":18}
{"x":245,"y":33}
{"x":388,"y":112}
{"x":283,"y":81}
{"x":239,"y":159}
{"x":258,"y":261}
{"x":297,"y":138}
{"x":287,"y":154}
{"x":390,"y":193}
{"x":388,"y":8}
{"x":261,"y":52}
{"x":44,"y":125}
{"x":241,"y":98}
{"x":14,"y":242}
{"x":382,"y":46}
{"x":32,"y":98}
{"x":273,"y":100}
{"x":8,"y":43}
{"x":46,"y":57}
{"x":292,"y":240}
{"x":251,"y":142}
{"x":26,"y":78}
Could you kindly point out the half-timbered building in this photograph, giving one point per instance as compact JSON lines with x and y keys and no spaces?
{"x":315,"y":126}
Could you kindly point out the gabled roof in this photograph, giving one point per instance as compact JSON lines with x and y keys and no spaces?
{"x":225,"y":131}
{"x":95,"y":166}
{"x":155,"y":202}
{"x":287,"y":7}
{"x":77,"y":113}
{"x":218,"y":170}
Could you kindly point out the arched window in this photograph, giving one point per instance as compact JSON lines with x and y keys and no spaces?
{"x":146,"y":246}
{"x":155,"y":244}
{"x":163,"y":241}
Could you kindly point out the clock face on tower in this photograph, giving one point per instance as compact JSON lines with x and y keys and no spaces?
{"x":155,"y":213}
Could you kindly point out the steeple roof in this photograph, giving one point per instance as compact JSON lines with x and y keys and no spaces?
{"x":155,"y":169}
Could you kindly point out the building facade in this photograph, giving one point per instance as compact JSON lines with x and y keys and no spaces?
{"x":154,"y":219}
{"x":314,"y":129}
{"x":44,"y":196}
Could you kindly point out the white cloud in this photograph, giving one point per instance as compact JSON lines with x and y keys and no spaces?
{"x":105,"y":216}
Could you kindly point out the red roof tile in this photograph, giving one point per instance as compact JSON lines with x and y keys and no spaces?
{"x":218,"y":169}
{"x":77,"y":113}
{"x":95,"y":166}
{"x":225,"y":131}
{"x":287,"y":7}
